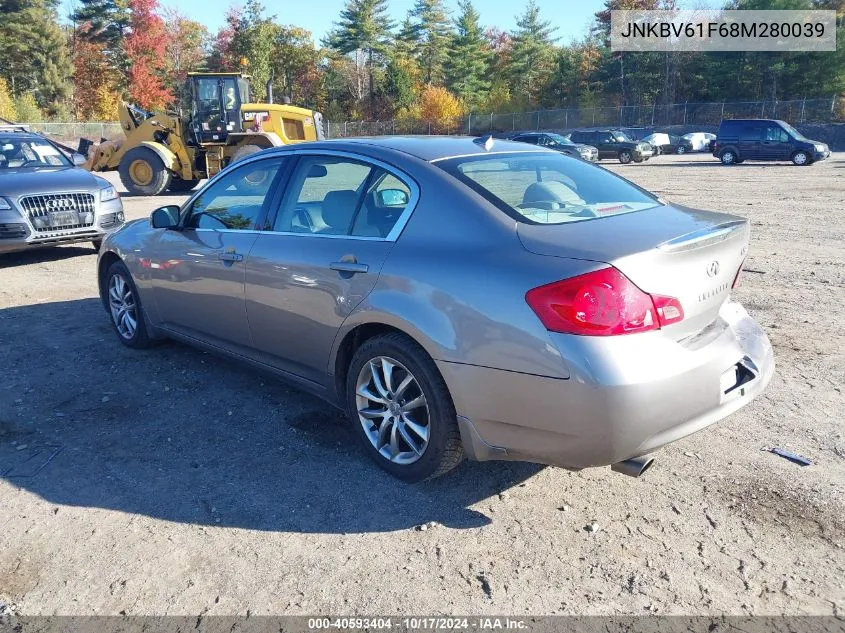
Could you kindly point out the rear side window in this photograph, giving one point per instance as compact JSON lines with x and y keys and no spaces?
{"x":548,"y":188}
{"x":750,"y":132}
{"x":329,"y":195}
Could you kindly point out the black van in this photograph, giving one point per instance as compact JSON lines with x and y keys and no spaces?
{"x":739,"y":140}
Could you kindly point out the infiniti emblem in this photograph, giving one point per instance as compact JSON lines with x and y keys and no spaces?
{"x":713,"y":268}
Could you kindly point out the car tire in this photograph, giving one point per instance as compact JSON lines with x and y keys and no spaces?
{"x":728,"y":157}
{"x":380,"y":368}
{"x":801,"y":158}
{"x":143,"y":173}
{"x":681,"y":150}
{"x":625,"y":157}
{"x":177,"y":185}
{"x":122,"y":301}
{"x":639,"y":159}
{"x":97,"y":244}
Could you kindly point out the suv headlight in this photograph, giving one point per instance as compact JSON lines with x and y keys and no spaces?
{"x":4,"y":205}
{"x":108,"y":193}
{"x":820,"y":148}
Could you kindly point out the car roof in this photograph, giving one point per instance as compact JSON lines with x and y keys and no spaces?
{"x":427,"y":148}
{"x":6,"y":132}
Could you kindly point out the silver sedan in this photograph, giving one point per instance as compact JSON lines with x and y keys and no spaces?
{"x":455,"y":297}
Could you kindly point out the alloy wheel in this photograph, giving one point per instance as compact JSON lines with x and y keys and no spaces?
{"x":122,"y":306}
{"x":392,"y":410}
{"x":800,"y":158}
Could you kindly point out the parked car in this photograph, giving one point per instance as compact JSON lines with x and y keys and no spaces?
{"x":614,"y":144}
{"x":765,"y":139}
{"x":455,"y":297}
{"x":668,"y":143}
{"x":560,"y":144}
{"x":700,"y":141}
{"x":46,"y":200}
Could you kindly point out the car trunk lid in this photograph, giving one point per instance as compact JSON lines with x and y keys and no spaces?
{"x":693,"y":256}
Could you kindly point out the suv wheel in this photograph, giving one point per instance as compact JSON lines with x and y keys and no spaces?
{"x":401,"y":409}
{"x":681,"y":149}
{"x":801,"y":158}
{"x":624,"y":157}
{"x":124,"y":306}
{"x":728,"y":157}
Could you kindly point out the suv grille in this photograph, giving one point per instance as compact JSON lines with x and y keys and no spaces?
{"x":41,"y":210}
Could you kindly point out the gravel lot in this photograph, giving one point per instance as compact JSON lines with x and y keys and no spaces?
{"x":183,"y":484}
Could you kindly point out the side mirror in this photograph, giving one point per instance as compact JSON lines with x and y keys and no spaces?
{"x":392,"y":198}
{"x":165,"y":217}
{"x":78,"y":159}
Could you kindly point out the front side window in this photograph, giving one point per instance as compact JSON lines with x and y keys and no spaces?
{"x":330,"y":195}
{"x":17,"y":152}
{"x":793,"y":132}
{"x":776,"y":133}
{"x":548,"y":189}
{"x":236,"y":200}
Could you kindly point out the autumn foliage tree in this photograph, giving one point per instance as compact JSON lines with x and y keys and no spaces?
{"x":7,"y":104}
{"x":145,"y":47}
{"x":439,"y":107}
{"x":96,"y":96}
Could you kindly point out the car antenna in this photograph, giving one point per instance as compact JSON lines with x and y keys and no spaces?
{"x":485,"y":141}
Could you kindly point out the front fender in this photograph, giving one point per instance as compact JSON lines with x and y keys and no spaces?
{"x":171,"y":162}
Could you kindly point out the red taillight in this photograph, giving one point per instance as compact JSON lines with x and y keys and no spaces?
{"x":601,"y":303}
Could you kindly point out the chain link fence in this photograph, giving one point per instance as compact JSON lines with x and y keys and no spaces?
{"x":76,"y":130}
{"x":796,"y":112}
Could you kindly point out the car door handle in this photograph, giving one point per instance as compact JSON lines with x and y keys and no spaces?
{"x":230,"y":257}
{"x":349,"y":267}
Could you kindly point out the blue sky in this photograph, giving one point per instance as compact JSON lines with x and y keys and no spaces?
{"x":570,"y":16}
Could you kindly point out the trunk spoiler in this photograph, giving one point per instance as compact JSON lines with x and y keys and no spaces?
{"x":702,"y":237}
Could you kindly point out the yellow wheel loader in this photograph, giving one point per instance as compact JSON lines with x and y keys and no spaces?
{"x":167,"y":152}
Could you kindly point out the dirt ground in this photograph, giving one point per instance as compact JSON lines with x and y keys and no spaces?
{"x":171,"y":482}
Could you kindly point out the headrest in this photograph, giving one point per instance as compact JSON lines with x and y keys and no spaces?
{"x":338,"y":207}
{"x":547,"y":191}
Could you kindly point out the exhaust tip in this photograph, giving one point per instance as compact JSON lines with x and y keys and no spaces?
{"x":633,"y":467}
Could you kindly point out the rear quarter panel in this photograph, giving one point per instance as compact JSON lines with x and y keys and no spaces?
{"x":456,"y":281}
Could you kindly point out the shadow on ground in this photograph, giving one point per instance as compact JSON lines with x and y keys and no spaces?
{"x":180,"y":435}
{"x":46,"y":254}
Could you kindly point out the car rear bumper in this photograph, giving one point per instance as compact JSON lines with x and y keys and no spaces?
{"x":626,"y":396}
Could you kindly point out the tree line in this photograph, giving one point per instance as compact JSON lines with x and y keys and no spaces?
{"x":433,"y":64}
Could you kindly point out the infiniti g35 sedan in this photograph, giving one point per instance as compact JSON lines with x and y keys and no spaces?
{"x":455,"y":297}
{"x":46,"y":200}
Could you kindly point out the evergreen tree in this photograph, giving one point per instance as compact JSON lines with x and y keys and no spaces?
{"x":469,"y":58}
{"x":363,"y":29}
{"x":252,"y":42}
{"x":33,"y":50}
{"x":532,"y":58}
{"x":106,"y":23}
{"x":433,"y":31}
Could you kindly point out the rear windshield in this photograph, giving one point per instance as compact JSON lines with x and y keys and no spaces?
{"x":546,"y":188}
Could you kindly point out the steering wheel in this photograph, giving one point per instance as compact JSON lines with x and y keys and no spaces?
{"x":304,"y":218}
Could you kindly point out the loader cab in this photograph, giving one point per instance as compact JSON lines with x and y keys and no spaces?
{"x":216,"y":105}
